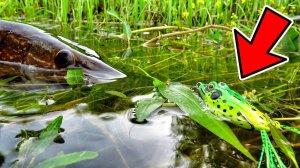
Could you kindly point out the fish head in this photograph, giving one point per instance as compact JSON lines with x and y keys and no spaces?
{"x":94,"y":69}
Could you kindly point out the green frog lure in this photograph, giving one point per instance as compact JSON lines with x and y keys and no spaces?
{"x":230,"y":106}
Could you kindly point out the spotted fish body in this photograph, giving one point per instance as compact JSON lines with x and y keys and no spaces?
{"x":32,"y":53}
{"x":230,"y":106}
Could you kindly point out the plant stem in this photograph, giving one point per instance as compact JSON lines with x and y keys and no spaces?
{"x":186,"y":32}
{"x":155,"y":29}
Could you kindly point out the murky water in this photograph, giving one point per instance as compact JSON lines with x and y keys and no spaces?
{"x":169,"y":138}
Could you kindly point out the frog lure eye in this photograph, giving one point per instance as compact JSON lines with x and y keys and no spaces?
{"x":230,"y":106}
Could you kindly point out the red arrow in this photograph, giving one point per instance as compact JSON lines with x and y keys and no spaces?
{"x":254,"y":55}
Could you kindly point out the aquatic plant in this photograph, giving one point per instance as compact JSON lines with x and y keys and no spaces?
{"x":146,"y":13}
{"x":30,"y":148}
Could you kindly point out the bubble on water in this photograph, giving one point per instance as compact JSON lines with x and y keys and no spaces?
{"x":45,"y":102}
{"x":82,"y":107}
{"x":107,"y":116}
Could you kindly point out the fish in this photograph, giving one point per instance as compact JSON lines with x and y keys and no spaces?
{"x":31,"y":53}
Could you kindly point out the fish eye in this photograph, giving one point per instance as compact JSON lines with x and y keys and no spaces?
{"x":64,"y":58}
{"x":215,"y":95}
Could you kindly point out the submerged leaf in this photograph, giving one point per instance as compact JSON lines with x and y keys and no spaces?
{"x":189,"y":103}
{"x":67,"y":159}
{"x":116,"y":93}
{"x":127,"y":53}
{"x":283,"y":143}
{"x":145,"y":107}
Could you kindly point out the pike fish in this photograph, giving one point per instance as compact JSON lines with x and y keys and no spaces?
{"x":31,"y":53}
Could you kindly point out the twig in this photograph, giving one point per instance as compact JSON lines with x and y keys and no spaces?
{"x":159,"y":28}
{"x":154,"y":29}
{"x":186,"y":32}
{"x":286,"y":119}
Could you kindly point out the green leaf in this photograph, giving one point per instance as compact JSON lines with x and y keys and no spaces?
{"x":62,"y":160}
{"x":75,"y":77}
{"x":146,"y":106}
{"x":116,"y":93}
{"x":127,"y":53}
{"x":52,"y":127}
{"x":283,"y":143}
{"x":188,"y":102}
{"x":289,"y":42}
{"x":127,"y":29}
{"x":30,"y":148}
{"x":114,"y":14}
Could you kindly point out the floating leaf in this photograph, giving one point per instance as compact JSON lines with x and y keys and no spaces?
{"x":62,"y":160}
{"x":75,"y":77}
{"x":188,"y":102}
{"x":146,"y":106}
{"x":116,"y":93}
{"x":283,"y":143}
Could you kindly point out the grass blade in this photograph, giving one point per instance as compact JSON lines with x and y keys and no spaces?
{"x":62,"y":160}
{"x":114,"y":14}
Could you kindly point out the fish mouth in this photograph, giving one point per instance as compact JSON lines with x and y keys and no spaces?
{"x":30,"y":71}
{"x":96,"y":70}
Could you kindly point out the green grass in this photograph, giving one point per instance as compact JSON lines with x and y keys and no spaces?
{"x":147,"y":13}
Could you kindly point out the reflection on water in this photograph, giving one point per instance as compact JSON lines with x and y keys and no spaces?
{"x":168,"y":139}
{"x":119,"y":142}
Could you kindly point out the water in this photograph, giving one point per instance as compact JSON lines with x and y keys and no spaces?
{"x":98,"y":121}
{"x":168,"y":139}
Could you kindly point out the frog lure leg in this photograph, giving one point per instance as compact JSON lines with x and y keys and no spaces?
{"x":230,"y":106}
